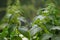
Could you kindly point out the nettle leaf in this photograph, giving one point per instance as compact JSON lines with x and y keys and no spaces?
{"x":41,"y":17}
{"x":22,"y":19}
{"x":35,"y":29}
{"x":46,"y":36}
{"x":2,"y":26}
{"x":4,"y":32}
{"x":55,"y":30}
{"x":16,"y":38}
{"x":56,"y":37}
{"x":11,"y":29}
{"x":24,"y":31}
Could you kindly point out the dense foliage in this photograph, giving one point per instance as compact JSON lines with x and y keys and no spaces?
{"x":31,"y":19}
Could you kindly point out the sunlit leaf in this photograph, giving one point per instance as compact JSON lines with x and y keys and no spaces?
{"x":24,"y":31}
{"x":35,"y":29}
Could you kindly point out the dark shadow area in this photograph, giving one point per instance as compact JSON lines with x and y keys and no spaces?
{"x":3,"y":5}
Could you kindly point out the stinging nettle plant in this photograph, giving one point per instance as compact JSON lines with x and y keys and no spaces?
{"x":40,"y":24}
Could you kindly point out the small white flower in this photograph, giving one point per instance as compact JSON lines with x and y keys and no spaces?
{"x":40,"y":17}
{"x":46,"y":11}
{"x":24,"y":38}
{"x":5,"y":38}
{"x":21,"y":35}
{"x":34,"y":37}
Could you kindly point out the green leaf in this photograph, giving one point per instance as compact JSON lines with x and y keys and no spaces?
{"x":4,"y":32}
{"x":56,"y":37}
{"x":55,"y":28}
{"x":16,"y":38}
{"x":46,"y":36}
{"x":2,"y":26}
{"x":24,"y":31}
{"x":11,"y":29}
{"x":35,"y":29}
